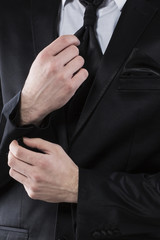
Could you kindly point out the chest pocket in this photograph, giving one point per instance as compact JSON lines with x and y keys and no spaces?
{"x":139,"y":83}
{"x":141,"y":72}
{"x":9,"y":233}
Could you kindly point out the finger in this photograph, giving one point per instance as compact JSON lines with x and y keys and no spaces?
{"x":24,"y":154}
{"x":19,"y":166}
{"x":67,"y":54}
{"x":61,"y":43}
{"x":74,"y":66}
{"x":38,"y":143}
{"x":17,"y":176}
{"x":79,"y":78}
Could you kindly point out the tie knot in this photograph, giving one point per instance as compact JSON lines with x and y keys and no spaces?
{"x":90,"y":15}
{"x":95,"y":3}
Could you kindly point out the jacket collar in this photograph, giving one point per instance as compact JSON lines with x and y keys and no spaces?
{"x":120,"y":3}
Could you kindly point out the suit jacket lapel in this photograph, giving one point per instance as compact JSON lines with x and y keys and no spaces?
{"x":135,"y":16}
{"x":44,"y":19}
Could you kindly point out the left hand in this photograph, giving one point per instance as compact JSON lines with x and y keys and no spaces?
{"x":50,"y":176}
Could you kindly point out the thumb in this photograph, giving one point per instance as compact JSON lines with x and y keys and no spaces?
{"x":38,"y":143}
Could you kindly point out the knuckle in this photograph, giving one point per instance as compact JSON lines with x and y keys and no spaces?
{"x":10,"y":145}
{"x":17,"y":152}
{"x":65,"y":39}
{"x":84,"y":73}
{"x":36,"y":179}
{"x":11,"y":172}
{"x":63,"y":76}
{"x":74,"y":49}
{"x":69,"y":87}
{"x":42,"y":56}
{"x":11,"y":161}
{"x":43,"y":164}
{"x":80,"y":60}
{"x":32,"y":194}
{"x":54,"y":66}
{"x":58,"y":147}
{"x":32,"y":190}
{"x":49,"y":68}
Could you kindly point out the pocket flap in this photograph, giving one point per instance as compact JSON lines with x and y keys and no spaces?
{"x":139,"y":83}
{"x":11,"y":233}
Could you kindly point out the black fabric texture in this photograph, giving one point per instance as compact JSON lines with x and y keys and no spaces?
{"x":116,"y":142}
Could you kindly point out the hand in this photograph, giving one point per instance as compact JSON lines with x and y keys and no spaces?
{"x":54,"y":77}
{"x":50,"y":176}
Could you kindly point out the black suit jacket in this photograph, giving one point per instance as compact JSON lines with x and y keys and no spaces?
{"x":116,"y":143}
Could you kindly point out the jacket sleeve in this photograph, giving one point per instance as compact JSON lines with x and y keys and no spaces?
{"x":118,"y":205}
{"x":4,"y":176}
{"x":1,"y":106}
{"x":10,"y":131}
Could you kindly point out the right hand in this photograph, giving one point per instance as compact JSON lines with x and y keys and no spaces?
{"x":54,"y":77}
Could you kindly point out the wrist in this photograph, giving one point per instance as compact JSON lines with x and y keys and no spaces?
{"x":27,"y":113}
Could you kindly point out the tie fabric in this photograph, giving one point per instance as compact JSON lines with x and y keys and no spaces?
{"x":89,"y":47}
{"x":90,"y":50}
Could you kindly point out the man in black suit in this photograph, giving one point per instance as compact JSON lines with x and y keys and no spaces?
{"x":103,"y":181}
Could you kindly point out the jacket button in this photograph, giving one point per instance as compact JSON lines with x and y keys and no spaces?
{"x":110,"y":232}
{"x":103,"y":234}
{"x":96,"y":235}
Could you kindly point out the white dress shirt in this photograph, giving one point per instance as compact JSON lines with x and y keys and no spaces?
{"x":71,"y":19}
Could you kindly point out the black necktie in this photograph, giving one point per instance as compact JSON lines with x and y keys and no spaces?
{"x":89,"y":47}
{"x":90,"y":50}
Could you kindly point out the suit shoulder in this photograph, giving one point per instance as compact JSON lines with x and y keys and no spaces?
{"x":7,"y":6}
{"x":154,"y":3}
{"x":13,"y":12}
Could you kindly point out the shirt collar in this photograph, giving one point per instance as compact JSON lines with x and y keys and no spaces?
{"x":120,"y":3}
